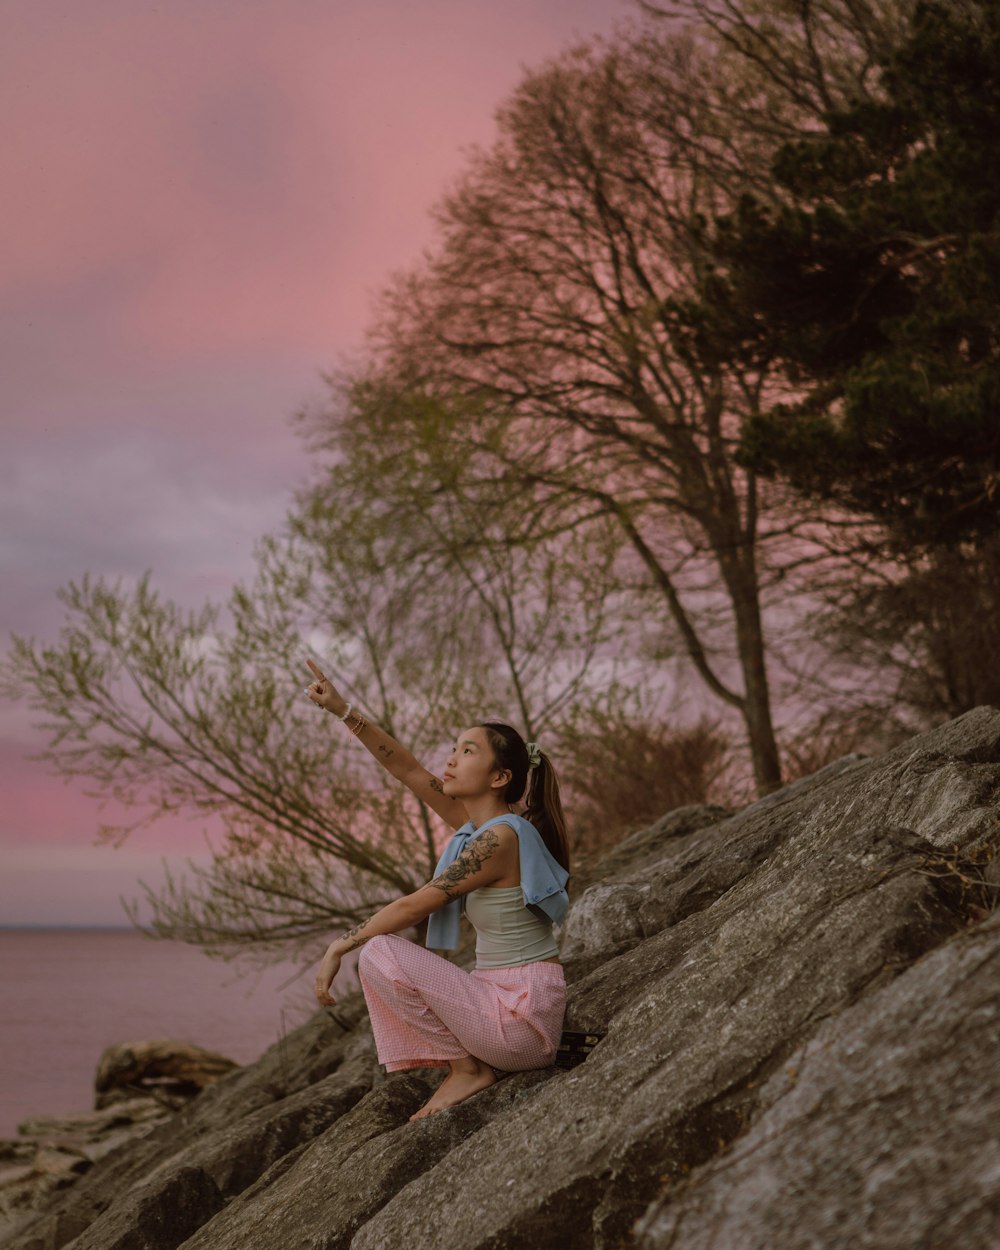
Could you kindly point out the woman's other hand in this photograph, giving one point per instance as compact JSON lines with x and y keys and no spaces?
{"x":328,"y":969}
{"x":323,"y":693}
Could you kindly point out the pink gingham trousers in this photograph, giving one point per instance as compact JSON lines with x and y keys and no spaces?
{"x":425,"y":1011}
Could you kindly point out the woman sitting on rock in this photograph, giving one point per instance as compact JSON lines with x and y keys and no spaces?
{"x":509,"y":872}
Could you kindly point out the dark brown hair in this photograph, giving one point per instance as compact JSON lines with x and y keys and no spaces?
{"x":544,"y":807}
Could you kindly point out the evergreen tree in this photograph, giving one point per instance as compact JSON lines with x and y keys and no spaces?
{"x":875,"y":286}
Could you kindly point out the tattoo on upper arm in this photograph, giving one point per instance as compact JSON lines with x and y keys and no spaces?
{"x":469,"y":862}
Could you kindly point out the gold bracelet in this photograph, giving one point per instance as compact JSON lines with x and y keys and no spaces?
{"x":362,"y":724}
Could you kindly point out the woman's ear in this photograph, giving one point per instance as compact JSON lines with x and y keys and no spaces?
{"x":502,"y":779}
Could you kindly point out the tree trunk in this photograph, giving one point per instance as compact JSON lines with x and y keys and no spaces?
{"x":734,"y":543}
{"x":756,"y":709}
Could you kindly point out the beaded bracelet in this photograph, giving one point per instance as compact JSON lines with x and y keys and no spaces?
{"x":347,"y":713}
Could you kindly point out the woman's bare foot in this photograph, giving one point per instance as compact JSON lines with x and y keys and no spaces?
{"x":467,"y":1077}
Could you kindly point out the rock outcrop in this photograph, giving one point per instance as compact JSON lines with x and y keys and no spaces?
{"x":801,"y":1004}
{"x":137,"y":1084}
{"x":51,"y":1153}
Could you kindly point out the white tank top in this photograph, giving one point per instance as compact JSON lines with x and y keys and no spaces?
{"x":508,"y":935}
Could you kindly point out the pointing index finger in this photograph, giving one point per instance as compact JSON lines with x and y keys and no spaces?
{"x":318,"y":672}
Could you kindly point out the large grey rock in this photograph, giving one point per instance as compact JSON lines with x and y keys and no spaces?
{"x":801,"y":1011}
{"x":259,"y":1101}
{"x":222,"y":1164}
{"x":697,"y":1017}
{"x":90,"y":1125}
{"x":156,"y":1219}
{"x":645,"y":846}
{"x":349,"y":1173}
{"x":881,"y":1131}
{"x":54,"y":1151}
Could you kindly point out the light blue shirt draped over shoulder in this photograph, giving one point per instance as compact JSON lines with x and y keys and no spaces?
{"x":543,"y":879}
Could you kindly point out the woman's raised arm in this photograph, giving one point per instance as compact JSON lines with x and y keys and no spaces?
{"x":393,"y":757}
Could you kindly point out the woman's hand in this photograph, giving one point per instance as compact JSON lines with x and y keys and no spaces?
{"x":323,"y":693}
{"x":328,"y":969}
{"x":394,"y":758}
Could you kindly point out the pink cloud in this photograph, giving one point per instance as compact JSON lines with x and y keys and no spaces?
{"x":200,"y":200}
{"x":42,"y":810}
{"x":244,"y":176}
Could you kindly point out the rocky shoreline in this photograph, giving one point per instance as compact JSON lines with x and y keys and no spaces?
{"x":50,"y":1153}
{"x":801,"y":1009}
{"x":137,"y":1085}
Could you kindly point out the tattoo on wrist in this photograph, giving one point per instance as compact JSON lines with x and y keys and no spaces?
{"x":469,"y":862}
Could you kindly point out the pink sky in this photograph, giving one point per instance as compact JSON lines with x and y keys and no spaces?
{"x":200,"y":200}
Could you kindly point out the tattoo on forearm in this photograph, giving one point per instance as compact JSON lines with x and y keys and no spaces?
{"x":384,"y":750}
{"x":470,"y":861}
{"x":438,"y":788}
{"x":351,"y":937}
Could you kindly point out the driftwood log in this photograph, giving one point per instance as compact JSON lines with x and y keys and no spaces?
{"x":171,"y":1070}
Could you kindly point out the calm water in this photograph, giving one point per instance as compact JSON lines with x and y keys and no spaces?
{"x":67,"y":994}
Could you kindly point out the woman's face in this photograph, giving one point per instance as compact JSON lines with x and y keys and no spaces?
{"x":471,"y":771}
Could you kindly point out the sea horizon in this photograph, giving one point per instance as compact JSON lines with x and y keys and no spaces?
{"x":64,"y":927}
{"x":70,"y":991}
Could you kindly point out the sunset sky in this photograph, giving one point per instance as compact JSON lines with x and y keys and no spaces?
{"x":200,"y":200}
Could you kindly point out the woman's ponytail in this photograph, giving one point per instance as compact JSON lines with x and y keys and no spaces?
{"x":538,"y":786}
{"x":544,"y":809}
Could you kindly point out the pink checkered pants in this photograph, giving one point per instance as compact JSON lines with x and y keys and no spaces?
{"x":425,"y":1011}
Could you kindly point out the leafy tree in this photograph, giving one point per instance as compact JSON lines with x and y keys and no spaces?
{"x":876,"y":286}
{"x":578,"y":325}
{"x":202,"y":713}
{"x":545,"y":615}
{"x":926,"y":626}
{"x":785,"y":63}
{"x":543,"y":445}
{"x":542,"y":338}
{"x":867,"y":276}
